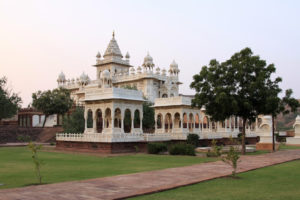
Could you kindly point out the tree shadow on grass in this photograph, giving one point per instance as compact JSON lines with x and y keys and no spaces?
{"x":34,"y":184}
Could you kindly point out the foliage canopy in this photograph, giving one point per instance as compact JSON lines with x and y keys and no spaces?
{"x":236,"y":87}
{"x":9,"y":101}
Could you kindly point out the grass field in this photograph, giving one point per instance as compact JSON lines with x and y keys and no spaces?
{"x":279,"y":182}
{"x":17,"y":168}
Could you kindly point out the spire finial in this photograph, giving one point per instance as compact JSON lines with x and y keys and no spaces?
{"x":113,"y":34}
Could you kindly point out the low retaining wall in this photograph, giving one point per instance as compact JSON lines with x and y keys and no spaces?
{"x":102,"y":147}
{"x":129,"y":147}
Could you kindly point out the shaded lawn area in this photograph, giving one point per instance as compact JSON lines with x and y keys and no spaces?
{"x":279,"y":182}
{"x":17,"y":168}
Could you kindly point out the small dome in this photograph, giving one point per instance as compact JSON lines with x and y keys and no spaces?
{"x":164,"y":72}
{"x":98,"y":55}
{"x":127,"y":56}
{"x":105,"y":74}
{"x":132,"y":69}
{"x":148,"y":61}
{"x":148,"y":58}
{"x":174,"y":65}
{"x":61,"y":77}
{"x":157,"y":69}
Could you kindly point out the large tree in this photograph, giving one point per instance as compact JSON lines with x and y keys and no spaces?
{"x":9,"y":101}
{"x":75,"y":122}
{"x":148,"y":117}
{"x":235,"y":87}
{"x":57,"y":101}
{"x":276,"y":105}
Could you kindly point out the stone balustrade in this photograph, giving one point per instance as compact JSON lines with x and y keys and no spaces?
{"x":99,"y":137}
{"x":173,"y":101}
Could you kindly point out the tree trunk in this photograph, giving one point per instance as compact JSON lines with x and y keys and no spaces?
{"x":273,"y":131}
{"x":244,"y":137}
{"x":45,"y":121}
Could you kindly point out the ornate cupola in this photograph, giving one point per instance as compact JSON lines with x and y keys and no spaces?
{"x":105,"y":79}
{"x":174,"y":69}
{"x":61,"y":78}
{"x":84,"y":79}
{"x":113,"y":49}
{"x":98,"y":57}
{"x":148,"y":63}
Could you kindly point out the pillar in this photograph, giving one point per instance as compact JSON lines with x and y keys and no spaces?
{"x":132,"y":121}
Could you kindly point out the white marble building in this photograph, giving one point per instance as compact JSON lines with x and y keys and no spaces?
{"x":106,"y":101}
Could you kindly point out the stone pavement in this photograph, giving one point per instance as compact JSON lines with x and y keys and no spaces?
{"x":124,"y":186}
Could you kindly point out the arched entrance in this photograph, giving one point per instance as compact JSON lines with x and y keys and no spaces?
{"x":137,"y":119}
{"x":127,"y":121}
{"x":99,"y":121}
{"x":107,"y":118}
{"x":168,"y":122}
{"x":117,"y":120}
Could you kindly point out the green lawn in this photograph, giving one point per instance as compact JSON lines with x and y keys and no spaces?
{"x":279,"y":182}
{"x":287,"y":147}
{"x":17,"y":169}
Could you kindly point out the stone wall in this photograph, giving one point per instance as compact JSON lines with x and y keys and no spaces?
{"x":14,"y":133}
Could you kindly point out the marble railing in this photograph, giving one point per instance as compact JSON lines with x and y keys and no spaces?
{"x":99,"y":137}
{"x":179,"y":100}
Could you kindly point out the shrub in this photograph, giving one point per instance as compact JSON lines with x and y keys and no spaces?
{"x":232,"y":158}
{"x":156,"y":148}
{"x":216,"y":150}
{"x":182,"y":149}
{"x":193,"y":139}
{"x":37,"y":162}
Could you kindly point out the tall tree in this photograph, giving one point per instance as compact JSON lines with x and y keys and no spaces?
{"x":9,"y":101}
{"x":275,"y":105}
{"x":57,"y":101}
{"x":75,"y":122}
{"x":235,"y":87}
{"x":148,"y":116}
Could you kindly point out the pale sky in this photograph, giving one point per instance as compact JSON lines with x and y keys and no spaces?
{"x":39,"y":39}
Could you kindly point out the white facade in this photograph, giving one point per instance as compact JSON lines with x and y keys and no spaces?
{"x":296,"y":139}
{"x":106,"y":103}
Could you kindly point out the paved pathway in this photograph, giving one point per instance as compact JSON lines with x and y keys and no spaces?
{"x":122,"y":186}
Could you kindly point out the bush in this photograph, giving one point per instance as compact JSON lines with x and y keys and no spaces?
{"x":231,"y":159}
{"x":156,"y":148}
{"x":182,"y":149}
{"x":216,"y":150}
{"x":193,"y":139}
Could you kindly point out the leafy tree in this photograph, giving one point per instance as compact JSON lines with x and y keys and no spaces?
{"x":75,"y":122}
{"x":235,"y":87}
{"x":148,"y":116}
{"x":9,"y":102}
{"x":57,"y":101}
{"x":275,"y":105}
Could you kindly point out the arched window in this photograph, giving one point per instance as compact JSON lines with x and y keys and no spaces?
{"x":197,"y":121}
{"x":90,"y":119}
{"x":177,"y":121}
{"x":99,"y":121}
{"x":159,"y":121}
{"x":117,"y":120}
{"x":164,"y":96}
{"x":137,"y":119}
{"x":107,"y":118}
{"x":185,"y":120}
{"x":168,"y":122}
{"x":127,"y":121}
